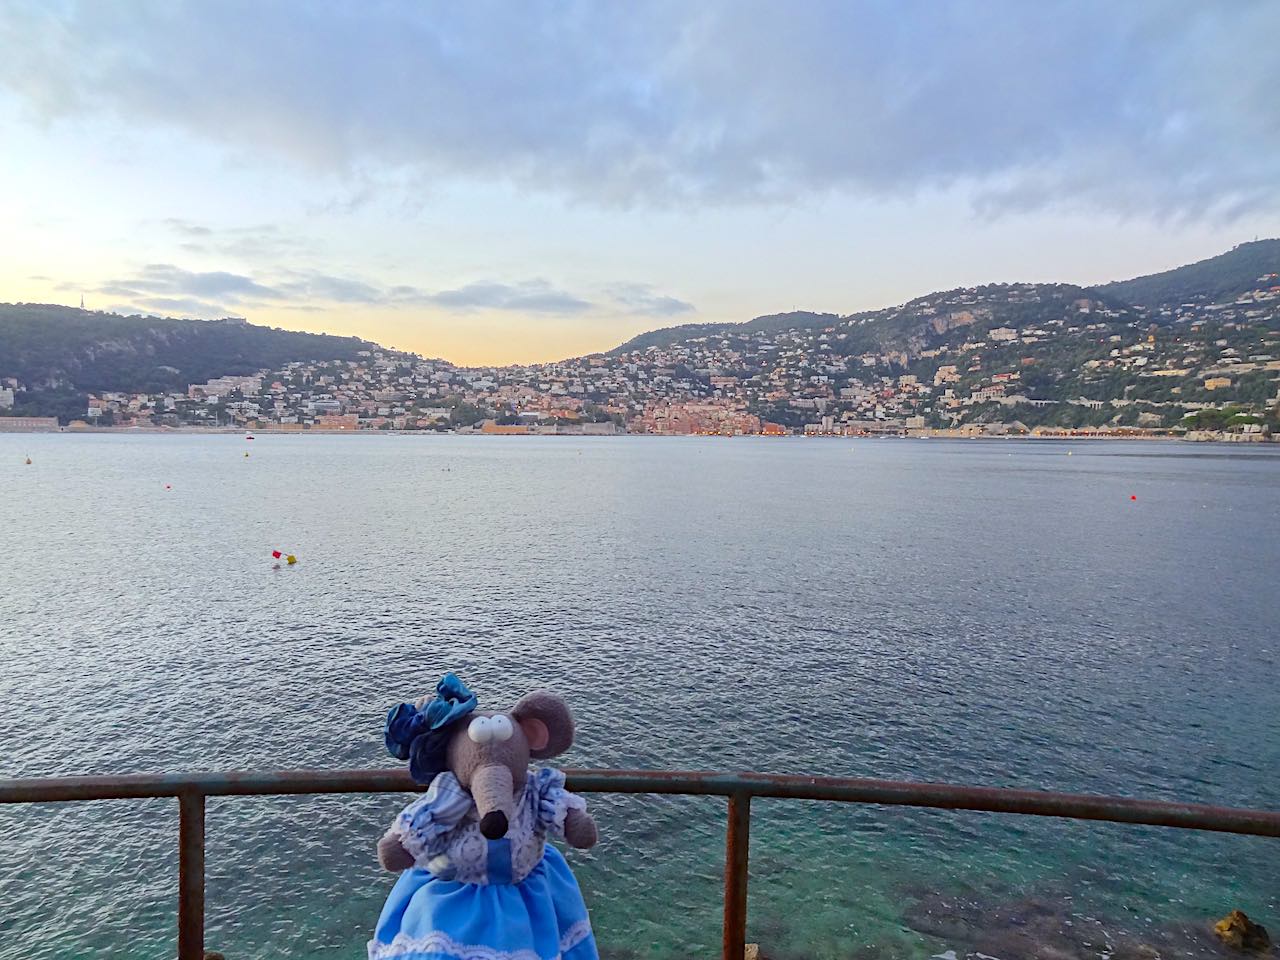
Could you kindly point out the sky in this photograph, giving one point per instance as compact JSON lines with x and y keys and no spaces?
{"x":517,"y":182}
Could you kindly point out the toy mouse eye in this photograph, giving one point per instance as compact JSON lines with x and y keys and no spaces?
{"x":480,"y":730}
{"x":501,"y":726}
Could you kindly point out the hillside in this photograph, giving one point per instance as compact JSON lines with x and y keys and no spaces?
{"x":1204,"y":353}
{"x":59,"y":354}
{"x":955,"y":315}
{"x":907,"y":328}
{"x":798,"y":319}
{"x":1215,"y":280}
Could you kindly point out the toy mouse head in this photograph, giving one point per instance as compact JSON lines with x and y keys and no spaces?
{"x":487,"y":751}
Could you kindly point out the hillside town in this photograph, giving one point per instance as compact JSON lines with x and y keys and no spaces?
{"x":1002,"y":360}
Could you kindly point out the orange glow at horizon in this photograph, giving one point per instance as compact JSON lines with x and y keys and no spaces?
{"x":480,"y":340}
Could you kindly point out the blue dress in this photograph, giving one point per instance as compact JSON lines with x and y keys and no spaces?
{"x":469,"y":898}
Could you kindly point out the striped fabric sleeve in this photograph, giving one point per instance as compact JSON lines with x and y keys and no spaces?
{"x":554,"y":801}
{"x":423,"y":827}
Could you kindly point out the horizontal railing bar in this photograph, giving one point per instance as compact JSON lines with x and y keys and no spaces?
{"x":938,"y":796}
{"x":230,"y":784}
{"x":943,"y":796}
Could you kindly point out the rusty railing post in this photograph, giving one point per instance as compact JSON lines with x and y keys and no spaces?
{"x":737,"y":842}
{"x":190,"y":875}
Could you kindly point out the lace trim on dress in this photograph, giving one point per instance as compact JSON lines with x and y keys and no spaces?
{"x":443,"y":944}
{"x":575,"y":935}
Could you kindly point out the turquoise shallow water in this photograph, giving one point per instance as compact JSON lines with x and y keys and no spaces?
{"x":985,"y":612}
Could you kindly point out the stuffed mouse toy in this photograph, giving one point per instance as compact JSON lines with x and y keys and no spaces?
{"x":478,"y":880}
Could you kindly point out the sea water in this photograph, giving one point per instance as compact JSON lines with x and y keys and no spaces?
{"x":981,"y":612}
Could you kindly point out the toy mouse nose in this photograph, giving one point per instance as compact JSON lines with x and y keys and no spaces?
{"x":494,"y":825}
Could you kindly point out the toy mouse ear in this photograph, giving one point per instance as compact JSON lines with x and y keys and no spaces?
{"x":546,"y":722}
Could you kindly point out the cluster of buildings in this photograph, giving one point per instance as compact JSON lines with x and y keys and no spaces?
{"x":998,"y":359}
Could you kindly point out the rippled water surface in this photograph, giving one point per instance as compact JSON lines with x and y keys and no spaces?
{"x":986,"y":612}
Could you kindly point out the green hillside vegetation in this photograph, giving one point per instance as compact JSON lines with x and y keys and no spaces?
{"x":1039,"y":353}
{"x":910,"y":327}
{"x":62,"y":354}
{"x":795,"y":320}
{"x":906,"y":327}
{"x":914,"y":325}
{"x":1217,"y":279}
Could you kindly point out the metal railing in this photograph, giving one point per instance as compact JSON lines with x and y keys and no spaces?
{"x":192,"y":788}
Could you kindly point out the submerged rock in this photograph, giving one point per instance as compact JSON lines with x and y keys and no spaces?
{"x":971,"y":926}
{"x":1238,"y":931}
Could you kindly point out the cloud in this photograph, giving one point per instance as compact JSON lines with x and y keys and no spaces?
{"x":184,"y":307}
{"x":531,"y":296}
{"x":261,"y":241}
{"x":318,"y":286}
{"x":1151,"y":106}
{"x":216,"y":293}
{"x":186,"y":228}
{"x":115,"y":289}
{"x":640,"y":298}
{"x":165,"y":278}
{"x":187,"y":306}
{"x":165,"y":288}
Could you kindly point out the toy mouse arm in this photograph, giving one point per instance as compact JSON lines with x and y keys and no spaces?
{"x":580,"y":829}
{"x":421,"y":830}
{"x":392,"y":854}
{"x":563,"y":814}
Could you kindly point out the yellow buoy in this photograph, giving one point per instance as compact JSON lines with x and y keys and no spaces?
{"x":291,"y":559}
